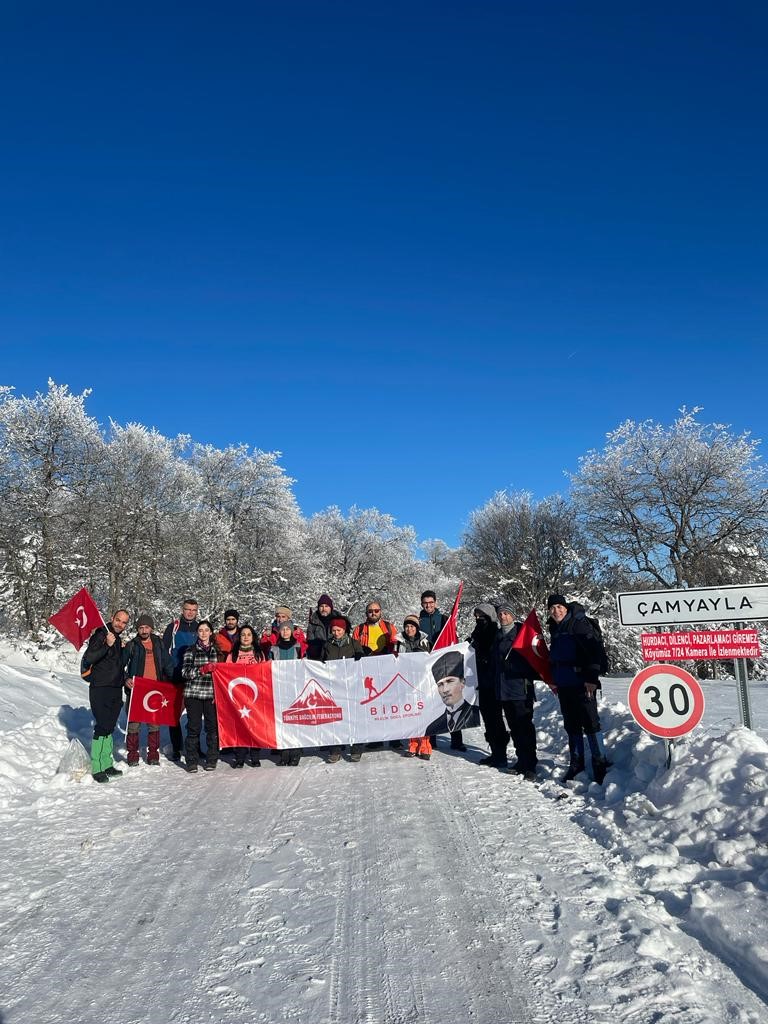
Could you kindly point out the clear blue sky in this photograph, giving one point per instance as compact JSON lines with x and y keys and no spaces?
{"x":427,"y":251}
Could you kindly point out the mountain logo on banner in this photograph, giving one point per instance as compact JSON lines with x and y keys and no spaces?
{"x":313,"y":706}
{"x":403,"y":700}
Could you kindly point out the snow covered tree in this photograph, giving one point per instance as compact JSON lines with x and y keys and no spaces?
{"x":676,"y":506}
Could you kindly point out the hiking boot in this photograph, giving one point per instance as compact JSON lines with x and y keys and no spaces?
{"x":209,"y":767}
{"x":409,"y":753}
{"x":599,"y":769}
{"x":334,"y":756}
{"x":424,"y":757}
{"x":101,"y":777}
{"x":153,"y":759}
{"x":176,"y":755}
{"x":574,"y":769}
{"x":112,"y":772}
{"x":355,"y":755}
{"x":132,"y":762}
{"x":191,"y":767}
{"x":493,"y":761}
{"x":238,"y":764}
{"x":255,"y":762}
{"x":294,"y":759}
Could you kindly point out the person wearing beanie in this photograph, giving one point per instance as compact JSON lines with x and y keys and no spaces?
{"x":245,"y":652}
{"x":576,"y":655}
{"x":341,"y":645}
{"x":483,"y":640}
{"x":318,"y":628}
{"x":226,"y":638}
{"x":514,"y":699}
{"x":269,"y":639}
{"x":411,"y":640}
{"x":144,"y":656}
{"x":287,"y":648}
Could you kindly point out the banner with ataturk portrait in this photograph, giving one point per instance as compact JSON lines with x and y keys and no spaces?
{"x":285,"y":704}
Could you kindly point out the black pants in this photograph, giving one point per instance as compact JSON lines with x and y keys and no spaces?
{"x":106,"y":705}
{"x":199,"y":710}
{"x":579,"y":710}
{"x":519,"y":716}
{"x":493,"y":719}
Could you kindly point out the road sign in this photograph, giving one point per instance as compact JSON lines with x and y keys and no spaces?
{"x":746,"y":603}
{"x":721,"y":645}
{"x":666,"y":701}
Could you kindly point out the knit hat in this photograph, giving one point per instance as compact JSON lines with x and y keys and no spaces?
{"x":145,"y":620}
{"x":284,"y":623}
{"x":450,"y":664}
{"x":231,"y":612}
{"x":413,"y":620}
{"x":340,"y":620}
{"x":487,"y":610}
{"x":554,"y":599}
{"x":505,"y":606}
{"x":324,"y":599}
{"x":282,"y":610}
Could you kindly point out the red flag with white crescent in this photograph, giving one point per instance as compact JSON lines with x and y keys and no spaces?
{"x":245,"y":705}
{"x":533,"y":647}
{"x":448,"y":634}
{"x":155,"y":703}
{"x":77,"y":619}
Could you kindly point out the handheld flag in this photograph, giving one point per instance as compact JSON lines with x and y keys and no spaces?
{"x":155,"y":703}
{"x":77,"y":619}
{"x":448,"y":634}
{"x":533,"y":647}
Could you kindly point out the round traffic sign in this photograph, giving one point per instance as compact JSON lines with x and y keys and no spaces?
{"x":666,"y":700}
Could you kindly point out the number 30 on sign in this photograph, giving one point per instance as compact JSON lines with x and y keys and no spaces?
{"x":666,"y":701}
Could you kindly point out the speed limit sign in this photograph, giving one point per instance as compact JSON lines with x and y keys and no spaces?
{"x":666,"y":701}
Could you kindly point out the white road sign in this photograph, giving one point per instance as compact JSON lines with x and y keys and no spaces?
{"x":746,"y":603}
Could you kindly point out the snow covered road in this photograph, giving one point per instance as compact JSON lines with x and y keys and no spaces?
{"x":389,"y":892}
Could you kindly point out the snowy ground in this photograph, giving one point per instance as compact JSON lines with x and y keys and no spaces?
{"x":389,"y":892}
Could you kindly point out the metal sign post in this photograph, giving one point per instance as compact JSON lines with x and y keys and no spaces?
{"x":742,"y":688}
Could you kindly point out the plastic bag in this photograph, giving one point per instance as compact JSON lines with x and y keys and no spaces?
{"x":76,"y":761}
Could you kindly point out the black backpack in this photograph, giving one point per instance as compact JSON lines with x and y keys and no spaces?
{"x":604,"y":663}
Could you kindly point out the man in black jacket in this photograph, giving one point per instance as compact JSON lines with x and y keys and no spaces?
{"x":103,"y":660}
{"x":145,"y":656}
{"x":515,"y":693}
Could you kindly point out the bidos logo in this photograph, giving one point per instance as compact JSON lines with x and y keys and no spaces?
{"x":402,"y":700}
{"x":313,"y":706}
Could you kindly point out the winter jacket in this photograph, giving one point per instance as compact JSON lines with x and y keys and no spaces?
{"x":419,"y":644}
{"x":106,"y":663}
{"x":483,"y":641}
{"x":224,"y":642}
{"x":347,"y":647}
{"x":318,"y":631}
{"x":514,"y":675}
{"x":196,"y":683}
{"x":432,"y":624}
{"x":575,"y":651}
{"x":360,"y":633}
{"x":134,"y":658}
{"x":178,"y":635}
{"x":268,"y":640}
{"x":237,"y":654}
{"x":283,"y":650}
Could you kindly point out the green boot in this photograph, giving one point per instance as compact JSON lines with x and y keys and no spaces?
{"x":97,"y":755}
{"x":106,"y":758}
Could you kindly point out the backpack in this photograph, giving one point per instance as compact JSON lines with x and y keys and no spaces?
{"x":604,"y":663}
{"x":85,"y":668}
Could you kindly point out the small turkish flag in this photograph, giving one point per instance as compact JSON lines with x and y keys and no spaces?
{"x":449,"y":634}
{"x":245,"y":705}
{"x":155,"y":703}
{"x":77,"y":619}
{"x":533,"y":647}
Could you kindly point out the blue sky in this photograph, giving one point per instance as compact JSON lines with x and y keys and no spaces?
{"x":427,"y":251}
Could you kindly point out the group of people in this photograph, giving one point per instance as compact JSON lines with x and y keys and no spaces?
{"x":190,"y":647}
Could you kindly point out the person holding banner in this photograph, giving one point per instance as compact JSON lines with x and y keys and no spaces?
{"x":515,"y":694}
{"x":245,"y":652}
{"x":287,"y":648}
{"x":103,"y":662}
{"x":413,"y":641}
{"x":145,"y":656}
{"x":198,"y":697}
{"x":448,"y":672}
{"x":342,"y":645}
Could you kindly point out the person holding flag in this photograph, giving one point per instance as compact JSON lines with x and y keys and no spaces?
{"x":145,"y":656}
{"x":102,"y":666}
{"x":515,"y":692}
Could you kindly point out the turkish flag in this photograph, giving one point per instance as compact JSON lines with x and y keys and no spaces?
{"x":155,"y":703}
{"x":533,"y":647}
{"x":245,"y":705}
{"x":77,"y":619}
{"x":448,"y":634}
